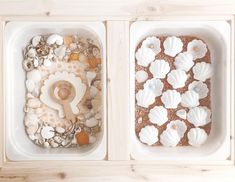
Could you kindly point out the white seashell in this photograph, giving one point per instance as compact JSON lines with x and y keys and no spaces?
{"x":200,"y":88}
{"x":34,"y":75}
{"x":158,"y":115}
{"x":31,"y":119}
{"x":179,"y":126}
{"x":54,"y":144}
{"x":58,"y":139}
{"x":46,"y":145}
{"x":55,"y":38}
{"x":172,"y":46}
{"x":32,"y":137}
{"x":190,"y":99}
{"x":154,"y":85}
{"x":34,"y":103}
{"x":141,"y":76}
{"x":184,"y":61}
{"x":30,"y":85}
{"x":144,"y":56}
{"x":181,"y":113}
{"x":148,"y":135}
{"x":35,"y":62}
{"x":202,"y":71}
{"x":31,"y":53}
{"x":93,"y":91}
{"x":199,"y":116}
{"x":90,"y":76}
{"x":145,"y":98}
{"x":171,"y":99}
{"x":159,"y":68}
{"x":47,"y":132}
{"x":152,"y":43}
{"x":196,"y":137}
{"x":92,"y":139}
{"x":177,"y":78}
{"x":32,"y":129}
{"x":197,"y":48}
{"x":47,"y":63}
{"x":169,"y":138}
{"x":36,"y":40}
{"x":60,"y":51}
{"x":91,"y":122}
{"x":60,"y":130}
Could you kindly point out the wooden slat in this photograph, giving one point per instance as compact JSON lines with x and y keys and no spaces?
{"x":118,"y":90}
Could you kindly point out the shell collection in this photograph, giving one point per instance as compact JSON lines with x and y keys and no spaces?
{"x":172,"y":87}
{"x":74,"y":63}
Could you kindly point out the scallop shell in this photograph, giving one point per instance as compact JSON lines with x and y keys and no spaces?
{"x":152,"y":43}
{"x":199,"y":116}
{"x":144,"y":56}
{"x":190,"y":99}
{"x":184,"y":61}
{"x":155,"y":85}
{"x":202,"y":71}
{"x":145,"y":98}
{"x":171,"y":99}
{"x":80,"y":89}
{"x":169,"y":138}
{"x":60,"y":51}
{"x":36,"y":40}
{"x":172,"y":46}
{"x":177,"y":78}
{"x":141,"y":76}
{"x":55,"y":38}
{"x":200,"y":88}
{"x":197,"y":48}
{"x":196,"y":137}
{"x":91,"y":122}
{"x":158,"y":115}
{"x":179,"y":126}
{"x":148,"y":135}
{"x":32,"y":53}
{"x":159,"y":68}
{"x":181,"y":113}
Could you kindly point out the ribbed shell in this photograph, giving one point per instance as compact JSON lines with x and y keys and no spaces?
{"x":155,"y":85}
{"x":144,"y":56}
{"x":172,"y":46}
{"x":197,"y":48}
{"x":202,"y":71}
{"x":145,"y":98}
{"x":196,"y":137}
{"x":190,"y":99}
{"x":169,"y":138}
{"x":184,"y":61}
{"x":179,"y":126}
{"x":158,"y":115}
{"x":159,"y":68}
{"x":148,"y":135}
{"x":152,"y":43}
{"x":199,"y":116}
{"x":200,"y":88}
{"x":171,"y":99}
{"x":177,"y":78}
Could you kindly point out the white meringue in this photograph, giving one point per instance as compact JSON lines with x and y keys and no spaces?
{"x":171,"y":99}
{"x":141,"y":76}
{"x":159,"y":68}
{"x":158,"y":115}
{"x":155,"y":85}
{"x":177,"y":78}
{"x":196,"y":137}
{"x":200,"y":88}
{"x":199,"y":116}
{"x":152,"y":43}
{"x":190,"y":99}
{"x":181,"y":113}
{"x":172,"y":46}
{"x":169,"y":138}
{"x":197,"y":48}
{"x":55,"y":38}
{"x":179,"y":126}
{"x":145,"y":98}
{"x":144,"y":56}
{"x":184,"y":61}
{"x":202,"y":71}
{"x":149,"y":135}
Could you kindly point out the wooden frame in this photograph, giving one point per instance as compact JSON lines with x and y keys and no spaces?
{"x":118,"y":16}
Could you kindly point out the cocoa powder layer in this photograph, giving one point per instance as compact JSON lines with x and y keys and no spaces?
{"x":141,"y":112}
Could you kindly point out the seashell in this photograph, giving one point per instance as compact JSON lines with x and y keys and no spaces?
{"x":144,"y":56}
{"x":55,"y":39}
{"x":31,"y":53}
{"x":30,"y":85}
{"x":141,"y":76}
{"x":34,"y":103}
{"x":47,"y":132}
{"x":92,"y":139}
{"x":32,"y":129}
{"x":93,"y":91}
{"x":36,"y":40}
{"x":36,"y":62}
{"x":154,"y":85}
{"x":93,"y":62}
{"x":172,"y":46}
{"x":58,"y":139}
{"x":46,"y":145}
{"x":82,"y":138}
{"x":197,"y":48}
{"x":29,"y":96}
{"x":60,"y":130}
{"x":184,"y":61}
{"x":190,"y":99}
{"x":148,"y":135}
{"x":181,"y":113}
{"x":196,"y":137}
{"x":32,"y":137}
{"x":199,"y":116}
{"x":72,"y":46}
{"x":158,"y":115}
{"x":60,"y":51}
{"x":91,"y":122}
{"x":145,"y":98}
{"x":28,"y":64}
{"x":177,"y":78}
{"x":47,"y":62}
{"x":159,"y":68}
{"x":54,"y":144}
{"x":90,"y":76}
{"x":74,"y":56}
{"x":34,"y":75}
{"x":179,"y":126}
{"x":169,"y":137}
{"x":171,"y":99}
{"x":152,"y":43}
{"x":200,"y":88}
{"x":202,"y":71}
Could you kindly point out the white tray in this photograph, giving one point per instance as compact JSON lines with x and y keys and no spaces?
{"x":18,"y":145}
{"x":217,"y":36}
